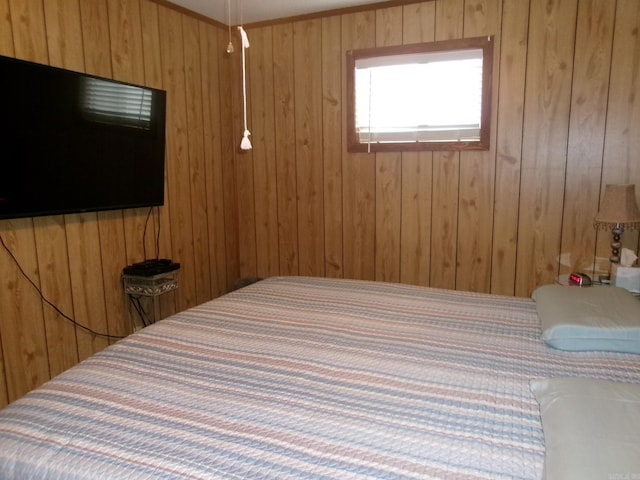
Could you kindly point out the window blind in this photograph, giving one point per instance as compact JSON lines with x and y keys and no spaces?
{"x":423,"y":97}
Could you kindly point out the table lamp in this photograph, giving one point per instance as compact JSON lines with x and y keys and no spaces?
{"x":618,"y":211}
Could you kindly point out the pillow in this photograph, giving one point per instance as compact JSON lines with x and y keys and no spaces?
{"x":589,"y":318}
{"x":591,"y":428}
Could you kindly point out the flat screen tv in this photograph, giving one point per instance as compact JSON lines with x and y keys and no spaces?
{"x":71,"y":142}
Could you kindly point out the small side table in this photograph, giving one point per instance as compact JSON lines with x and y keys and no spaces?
{"x":141,"y":289}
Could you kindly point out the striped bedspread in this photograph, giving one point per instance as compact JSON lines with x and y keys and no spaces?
{"x":296,"y":378}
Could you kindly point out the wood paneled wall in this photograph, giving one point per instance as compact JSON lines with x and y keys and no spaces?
{"x":565,"y":121}
{"x":77,"y":260}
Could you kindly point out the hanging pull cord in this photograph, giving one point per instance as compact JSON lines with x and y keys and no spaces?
{"x":245,"y":144}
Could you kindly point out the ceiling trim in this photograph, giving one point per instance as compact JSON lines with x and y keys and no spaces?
{"x":335,"y":11}
{"x":296,"y":18}
{"x":191,"y":13}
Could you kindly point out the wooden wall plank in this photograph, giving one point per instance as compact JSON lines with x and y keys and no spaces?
{"x":55,"y":283}
{"x":113,"y":257}
{"x":64,"y":40}
{"x":415,"y":237}
{"x":510,"y":68}
{"x":264,"y":152}
{"x":4,"y":393}
{"x":358,"y":170}
{"x":388,"y":172}
{"x":622,"y":137}
{"x":307,"y":55}
{"x":152,"y":57}
{"x":590,"y":90}
{"x":544,"y":145}
{"x":6,"y":30}
{"x":229,"y":144}
{"x":212,"y":51}
{"x":543,"y":109}
{"x":197,"y":169}
{"x":87,"y":287}
{"x":77,"y":259}
{"x":178,"y":170}
{"x":245,"y":181}
{"x":64,"y":34}
{"x":79,"y":289}
{"x":446,"y":173}
{"x":159,"y":227}
{"x":96,"y":38}
{"x":477,"y":173}
{"x":483,"y":232}
{"x":285,"y":128}
{"x":332,"y":72}
{"x":127,"y":60}
{"x":24,"y":343}
{"x":27,"y":21}
{"x":6,"y":48}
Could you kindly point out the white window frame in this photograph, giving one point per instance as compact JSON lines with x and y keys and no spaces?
{"x":366,"y":71}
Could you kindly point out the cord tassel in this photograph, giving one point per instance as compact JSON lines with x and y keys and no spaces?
{"x":245,"y":144}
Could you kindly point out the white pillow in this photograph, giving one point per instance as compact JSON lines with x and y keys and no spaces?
{"x":591,"y":428}
{"x":589,"y":318}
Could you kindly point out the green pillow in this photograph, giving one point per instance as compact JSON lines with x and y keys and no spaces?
{"x":589,"y":318}
{"x":591,"y":428}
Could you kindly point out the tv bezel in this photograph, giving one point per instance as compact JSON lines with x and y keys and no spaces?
{"x":159,"y":116}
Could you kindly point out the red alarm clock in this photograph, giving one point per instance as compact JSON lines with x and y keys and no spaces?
{"x":579,"y":279}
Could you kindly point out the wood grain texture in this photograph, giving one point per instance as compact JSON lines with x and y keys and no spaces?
{"x":197,"y":166}
{"x":307,"y":56}
{"x":87,"y":287}
{"x":178,"y":167}
{"x":477,"y":173}
{"x":6,"y":30}
{"x":358,"y":170}
{"x":496,"y":221}
{"x":229,"y":144}
{"x":64,"y":40}
{"x":332,"y":106}
{"x":566,"y":121}
{"x":243,"y":159}
{"x":589,"y":97}
{"x":211,"y":52}
{"x":76,"y":260}
{"x":415,"y":248}
{"x":24,"y":342}
{"x":158,"y":220}
{"x":388,"y":171}
{"x":28,"y":26}
{"x":55,"y":283}
{"x":622,"y":135}
{"x":510,"y":68}
{"x":544,"y":144}
{"x":285,"y":148}
{"x":446,"y":173}
{"x":264,"y":158}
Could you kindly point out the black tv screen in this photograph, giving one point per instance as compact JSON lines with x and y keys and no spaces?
{"x":71,"y":142}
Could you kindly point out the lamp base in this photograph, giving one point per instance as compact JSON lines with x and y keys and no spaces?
{"x":616,"y":244}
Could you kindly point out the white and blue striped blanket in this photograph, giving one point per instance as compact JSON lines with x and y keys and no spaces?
{"x":294,"y":378}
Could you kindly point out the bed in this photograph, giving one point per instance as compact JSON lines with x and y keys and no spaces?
{"x":296,"y":377}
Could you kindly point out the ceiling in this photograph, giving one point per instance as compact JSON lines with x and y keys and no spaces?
{"x":252,"y":11}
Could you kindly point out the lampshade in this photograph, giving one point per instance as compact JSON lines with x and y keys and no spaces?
{"x":619,"y":207}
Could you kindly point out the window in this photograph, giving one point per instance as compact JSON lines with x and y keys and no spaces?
{"x":430,"y":96}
